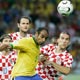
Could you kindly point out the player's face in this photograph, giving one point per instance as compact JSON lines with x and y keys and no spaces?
{"x":6,"y":40}
{"x":41,"y":37}
{"x":63,"y":40}
{"x":24,"y":25}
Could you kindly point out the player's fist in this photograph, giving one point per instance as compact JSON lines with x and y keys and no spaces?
{"x":3,"y":46}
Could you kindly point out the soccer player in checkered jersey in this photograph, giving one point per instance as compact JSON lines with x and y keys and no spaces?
{"x":55,"y":59}
{"x":7,"y":59}
{"x":24,"y":26}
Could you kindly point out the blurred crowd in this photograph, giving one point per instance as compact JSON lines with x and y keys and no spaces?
{"x":43,"y":13}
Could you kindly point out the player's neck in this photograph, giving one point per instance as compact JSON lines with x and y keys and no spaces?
{"x":35,"y":40}
{"x":23,"y":34}
{"x":59,"y":50}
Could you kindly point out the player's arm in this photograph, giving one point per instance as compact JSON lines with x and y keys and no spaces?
{"x":18,"y":46}
{"x":66,"y":67}
{"x":3,"y":46}
{"x":11,"y":46}
{"x":62,"y":69}
{"x":43,"y":52}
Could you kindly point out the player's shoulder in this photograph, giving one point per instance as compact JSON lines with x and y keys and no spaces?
{"x":14,"y":34}
{"x":49,"y":45}
{"x":29,"y":35}
{"x":26,"y":39}
{"x":68,"y":53}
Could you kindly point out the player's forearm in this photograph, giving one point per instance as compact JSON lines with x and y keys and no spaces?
{"x":62,"y":69}
{"x":18,"y":47}
{"x":11,"y":46}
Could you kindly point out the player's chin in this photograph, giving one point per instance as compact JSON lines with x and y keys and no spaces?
{"x":63,"y":47}
{"x":25,"y":30}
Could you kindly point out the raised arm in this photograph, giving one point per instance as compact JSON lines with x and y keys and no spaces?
{"x":19,"y":46}
{"x":62,"y":69}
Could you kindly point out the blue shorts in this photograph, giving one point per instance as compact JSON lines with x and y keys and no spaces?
{"x":35,"y":77}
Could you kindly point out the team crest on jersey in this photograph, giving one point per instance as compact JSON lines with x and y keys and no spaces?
{"x":5,"y":70}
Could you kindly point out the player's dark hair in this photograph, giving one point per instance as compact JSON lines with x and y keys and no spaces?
{"x":41,"y":29}
{"x":4,"y":37}
{"x":65,"y":33}
{"x":19,"y":19}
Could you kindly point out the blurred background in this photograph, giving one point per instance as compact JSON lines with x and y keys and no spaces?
{"x":44,"y":14}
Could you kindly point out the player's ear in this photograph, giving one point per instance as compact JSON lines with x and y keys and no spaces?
{"x":36,"y":34}
{"x":57,"y":40}
{"x":18,"y":25}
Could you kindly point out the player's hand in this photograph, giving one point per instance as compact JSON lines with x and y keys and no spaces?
{"x":3,"y":46}
{"x":47,"y":62}
{"x":42,"y":58}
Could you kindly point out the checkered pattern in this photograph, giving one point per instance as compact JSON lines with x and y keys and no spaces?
{"x":16,"y":36}
{"x":6,"y":65}
{"x":48,"y":72}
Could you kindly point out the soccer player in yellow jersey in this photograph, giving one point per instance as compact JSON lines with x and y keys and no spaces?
{"x":29,"y":51}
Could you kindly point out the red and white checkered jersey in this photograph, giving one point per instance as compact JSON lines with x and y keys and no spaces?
{"x":6,"y":65}
{"x":16,"y":36}
{"x":48,"y":72}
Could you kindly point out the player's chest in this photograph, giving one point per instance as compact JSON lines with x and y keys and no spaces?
{"x":7,"y":61}
{"x":53,"y":55}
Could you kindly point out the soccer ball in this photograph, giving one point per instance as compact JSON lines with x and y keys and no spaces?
{"x":65,"y":7}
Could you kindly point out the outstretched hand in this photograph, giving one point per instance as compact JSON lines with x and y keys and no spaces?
{"x":3,"y":46}
{"x":42,"y":58}
{"x":45,"y":60}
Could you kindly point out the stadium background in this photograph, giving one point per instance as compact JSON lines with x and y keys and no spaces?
{"x":44,"y":14}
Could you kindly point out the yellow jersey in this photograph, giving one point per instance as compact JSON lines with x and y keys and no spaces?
{"x":27,"y":57}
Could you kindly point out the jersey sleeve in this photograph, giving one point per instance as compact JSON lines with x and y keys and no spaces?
{"x":19,"y":45}
{"x":14,"y":36}
{"x":68,"y":61}
{"x":46,"y":49}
